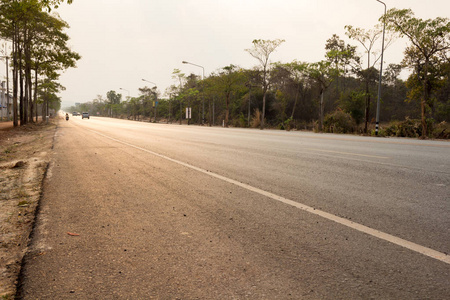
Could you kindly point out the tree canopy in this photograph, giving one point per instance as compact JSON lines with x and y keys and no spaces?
{"x":429,"y":48}
{"x":39,"y":44}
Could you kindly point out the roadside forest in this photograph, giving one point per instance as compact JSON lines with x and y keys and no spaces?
{"x":35,"y":48}
{"x":337,"y":94}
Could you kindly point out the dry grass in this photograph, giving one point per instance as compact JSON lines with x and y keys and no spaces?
{"x":256,"y":119}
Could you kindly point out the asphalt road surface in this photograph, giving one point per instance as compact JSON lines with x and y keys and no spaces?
{"x":133,"y":210}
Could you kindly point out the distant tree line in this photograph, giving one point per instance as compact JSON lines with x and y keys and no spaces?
{"x":38,"y":54}
{"x":336,"y":94}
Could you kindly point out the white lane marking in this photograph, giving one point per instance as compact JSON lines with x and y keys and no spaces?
{"x":359,"y":227}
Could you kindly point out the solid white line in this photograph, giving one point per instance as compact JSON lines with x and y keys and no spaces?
{"x":359,"y":227}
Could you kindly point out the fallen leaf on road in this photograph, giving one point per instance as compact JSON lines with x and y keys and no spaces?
{"x":73,"y":234}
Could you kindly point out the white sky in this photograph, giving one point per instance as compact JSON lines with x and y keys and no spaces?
{"x":122,"y":42}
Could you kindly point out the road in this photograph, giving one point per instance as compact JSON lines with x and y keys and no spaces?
{"x":134,"y":210}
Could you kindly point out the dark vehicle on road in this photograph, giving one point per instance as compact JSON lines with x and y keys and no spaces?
{"x":85,"y":115}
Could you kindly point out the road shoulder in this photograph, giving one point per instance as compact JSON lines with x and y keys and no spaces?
{"x":24,"y":157}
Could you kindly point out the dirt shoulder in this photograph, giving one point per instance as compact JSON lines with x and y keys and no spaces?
{"x":24,"y":158}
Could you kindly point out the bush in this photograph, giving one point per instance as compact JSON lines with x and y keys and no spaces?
{"x":413,"y":128}
{"x":441,"y":131}
{"x":409,"y":128}
{"x":256,"y":120}
{"x":339,"y":122}
{"x":240,"y":122}
{"x":287,"y":125}
{"x":353,"y":102}
{"x":390,"y":130}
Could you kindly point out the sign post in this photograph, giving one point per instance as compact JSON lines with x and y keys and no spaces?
{"x":188,"y":113}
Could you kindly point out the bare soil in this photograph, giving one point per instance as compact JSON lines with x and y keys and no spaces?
{"x":24,"y":158}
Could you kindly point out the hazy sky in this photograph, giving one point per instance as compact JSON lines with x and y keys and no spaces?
{"x":122,"y":42}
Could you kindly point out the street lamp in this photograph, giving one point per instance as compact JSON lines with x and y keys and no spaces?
{"x":156,"y":97}
{"x":381,"y":71}
{"x":149,"y":82}
{"x":126,"y":91}
{"x":203,"y":97}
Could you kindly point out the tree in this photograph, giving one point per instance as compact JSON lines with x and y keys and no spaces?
{"x":368,"y":38}
{"x":48,"y":88}
{"x":430,"y":39}
{"x":113,"y":102}
{"x":341,"y":56}
{"x":149,"y":94}
{"x":292,"y":87}
{"x":181,"y":78}
{"x":227,"y":79}
{"x":261,"y":51}
{"x":321,"y":72}
{"x":49,"y":50}
{"x":21,"y":22}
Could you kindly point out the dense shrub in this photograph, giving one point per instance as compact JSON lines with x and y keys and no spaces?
{"x":287,"y":124}
{"x":413,"y":128}
{"x":353,"y":102}
{"x":339,"y":122}
{"x":239,"y":122}
{"x":442,"y":131}
{"x":409,"y":128}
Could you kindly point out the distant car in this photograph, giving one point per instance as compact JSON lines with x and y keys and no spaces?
{"x":74,"y":113}
{"x":85,"y":115}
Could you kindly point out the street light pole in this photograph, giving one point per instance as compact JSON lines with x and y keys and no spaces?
{"x":156,"y":97}
{"x":203,"y":97}
{"x":381,"y":72}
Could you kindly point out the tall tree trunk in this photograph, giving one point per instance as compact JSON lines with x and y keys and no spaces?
{"x":295,"y":102}
{"x":367,"y":106}
{"x":28,"y":89}
{"x":425,"y":98}
{"x":35,"y":91}
{"x":263,"y":108}
{"x":21,"y":100}
{"x":43,"y":109}
{"x":30,"y":95}
{"x":367,"y":94}
{"x":15,"y":76}
{"x":321,"y":110}
{"x":265,"y":87}
{"x":25,"y":97}
{"x":28,"y":105}
{"x":227,"y":112}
